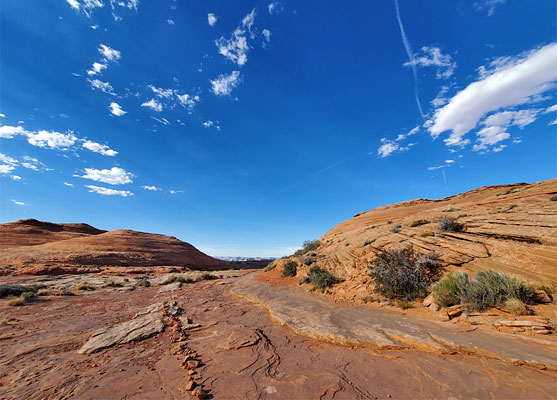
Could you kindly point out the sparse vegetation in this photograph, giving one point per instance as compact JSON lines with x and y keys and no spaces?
{"x":204,"y":277}
{"x":369,"y":241}
{"x":427,"y":234}
{"x":308,"y":260}
{"x":85,"y":286}
{"x":389,"y":222}
{"x":309,"y":245}
{"x":403,"y":304}
{"x":289,"y":269}
{"x":419,"y":222}
{"x":347,"y":244}
{"x":488,"y":289}
{"x":65,"y":292}
{"x":43,"y":292}
{"x":516,"y":307}
{"x":451,"y":209}
{"x":14,"y":301}
{"x":176,"y":278}
{"x":449,"y":224}
{"x":396,"y":228}
{"x":112,"y":283}
{"x":143,"y":282}
{"x":272,"y":265}
{"x":304,"y":280}
{"x":462,"y":215}
{"x":549,"y":290}
{"x":368,"y":299}
{"x":321,"y":278}
{"x":553,"y":198}
{"x":403,"y":273}
{"x":15,"y":290}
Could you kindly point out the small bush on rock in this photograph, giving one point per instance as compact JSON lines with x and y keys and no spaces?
{"x":396,"y":228}
{"x":451,"y":289}
{"x":449,"y":224}
{"x":309,"y":245}
{"x":419,"y":222}
{"x":321,"y":278}
{"x":289,"y":269}
{"x":403,"y":273}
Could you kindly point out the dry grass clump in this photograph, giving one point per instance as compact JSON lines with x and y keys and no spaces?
{"x":516,"y":307}
{"x":449,"y":224}
{"x":419,"y":222}
{"x":85,"y":286}
{"x":14,"y":301}
{"x":112,"y":283}
{"x":427,"y":234}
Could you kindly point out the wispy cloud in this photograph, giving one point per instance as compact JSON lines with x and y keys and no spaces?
{"x":151,"y":188}
{"x":113,"y":176}
{"x":153,"y":105}
{"x":99,"y":148}
{"x":410,"y":54}
{"x":490,"y":5}
{"x":224,"y":84}
{"x":432,"y":57}
{"x":97,"y":68}
{"x":108,"y":192}
{"x":102,"y":86}
{"x":236,"y":47}
{"x":18,"y":203}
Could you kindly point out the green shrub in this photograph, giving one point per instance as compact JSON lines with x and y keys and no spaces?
{"x":396,"y":228}
{"x":449,"y":224}
{"x":516,"y":307}
{"x":403,"y":273}
{"x":304,"y":280}
{"x":451,"y":288}
{"x":419,"y":222}
{"x":547,"y":289}
{"x":308,"y":260}
{"x":309,"y":245}
{"x":289,"y":269}
{"x":15,"y":290}
{"x":488,"y":289}
{"x":321,"y":278}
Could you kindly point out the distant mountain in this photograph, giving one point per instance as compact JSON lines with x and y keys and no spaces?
{"x":32,"y":242}
{"x":247,"y":258}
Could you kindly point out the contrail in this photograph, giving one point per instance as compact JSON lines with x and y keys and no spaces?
{"x":406,"y":44}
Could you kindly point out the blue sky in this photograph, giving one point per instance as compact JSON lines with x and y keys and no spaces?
{"x":247,"y":127}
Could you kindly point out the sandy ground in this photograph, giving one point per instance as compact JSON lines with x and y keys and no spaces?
{"x":243,"y":354}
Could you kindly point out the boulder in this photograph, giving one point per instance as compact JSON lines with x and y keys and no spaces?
{"x":455,"y":311}
{"x":434,"y":307}
{"x":428,"y":301}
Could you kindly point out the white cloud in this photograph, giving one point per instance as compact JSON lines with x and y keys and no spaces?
{"x":267,"y":34}
{"x":151,"y":188}
{"x":449,"y":161}
{"x":109,"y":53}
{"x":506,"y":118}
{"x":163,"y":121}
{"x":208,"y":124}
{"x":99,"y":148}
{"x":108,"y":192}
{"x":2,"y":115}
{"x":18,"y":203}
{"x":51,"y":139}
{"x":96,"y":69}
{"x":113,"y":176}
{"x":236,"y":47}
{"x":273,"y":7}
{"x":553,"y":108}
{"x":169,"y":22}
{"x":153,"y":105}
{"x":489,"y":5}
{"x":28,"y":165}
{"x":224,"y":84}
{"x":403,"y":136}
{"x":115,"y":109}
{"x":508,"y":86}
{"x":187,"y":101}
{"x":553,"y":122}
{"x":68,"y":184}
{"x":8,"y":132}
{"x":74,"y":4}
{"x":172,"y":191}
{"x":489,"y":136}
{"x":16,"y":177}
{"x":211,"y":19}
{"x":432,"y":57}
{"x":387,"y":148}
{"x":163,"y":93}
{"x":102,"y":86}
{"x":7,"y":159}
{"x":6,"y":169}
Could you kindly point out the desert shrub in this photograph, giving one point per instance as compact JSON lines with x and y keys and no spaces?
{"x":368,"y":299}
{"x":419,"y":222}
{"x":462,"y":215}
{"x":308,"y":260}
{"x":487,"y":289}
{"x":272,"y":265}
{"x":369,"y":241}
{"x":396,"y":228}
{"x":451,"y":209}
{"x":308,"y":245}
{"x":451,"y":288}
{"x":289,"y":269}
{"x":65,"y":292}
{"x":347,"y":244}
{"x":43,"y":292}
{"x":516,"y":307}
{"x":182,"y":279}
{"x":16,"y":301}
{"x":553,"y":198}
{"x":304,"y":280}
{"x":403,"y":273}
{"x":144,"y":282}
{"x":204,"y":277}
{"x":15,"y":290}
{"x":27,"y":296}
{"x":389,"y":222}
{"x":112,"y":283}
{"x":547,"y":289}
{"x":427,"y":234}
{"x":403,"y":304}
{"x":321,"y":278}
{"x":84,"y":286}
{"x":449,"y":224}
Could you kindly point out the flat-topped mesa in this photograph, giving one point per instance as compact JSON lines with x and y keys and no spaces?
{"x":31,"y":242}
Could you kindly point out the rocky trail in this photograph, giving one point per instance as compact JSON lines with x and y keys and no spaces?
{"x":207,"y":340}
